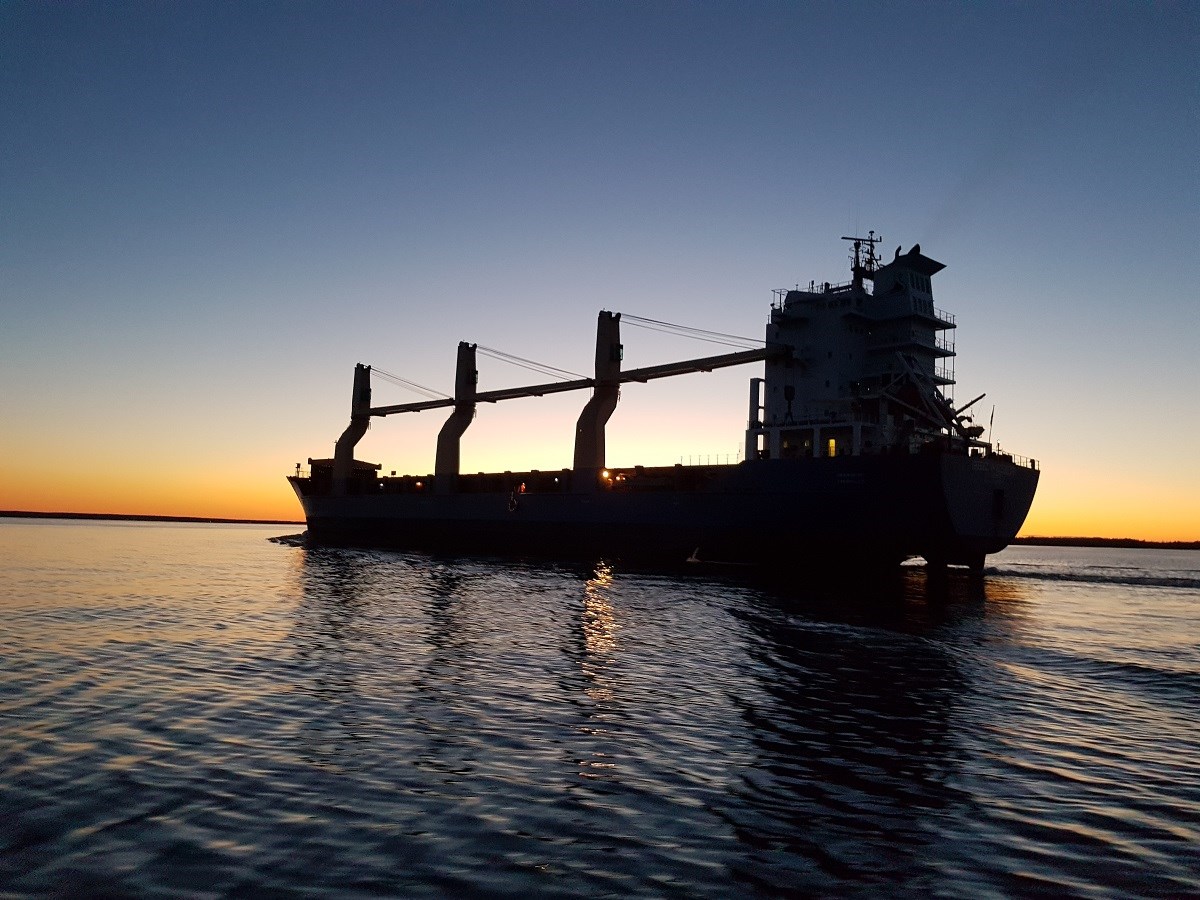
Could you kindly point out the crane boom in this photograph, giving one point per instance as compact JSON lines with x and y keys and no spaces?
{"x":642,"y":375}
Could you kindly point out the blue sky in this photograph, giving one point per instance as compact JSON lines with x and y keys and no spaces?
{"x":212,"y":211}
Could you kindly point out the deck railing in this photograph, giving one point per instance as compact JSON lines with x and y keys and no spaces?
{"x":1023,"y":461}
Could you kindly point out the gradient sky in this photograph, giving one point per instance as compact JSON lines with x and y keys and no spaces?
{"x":210,"y":212}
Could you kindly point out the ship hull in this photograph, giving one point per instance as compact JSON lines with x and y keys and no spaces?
{"x":875,"y":510}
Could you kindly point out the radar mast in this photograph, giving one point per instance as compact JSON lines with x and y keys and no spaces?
{"x":863,"y":260}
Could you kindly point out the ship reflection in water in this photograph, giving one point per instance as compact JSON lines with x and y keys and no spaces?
{"x":639,"y":732}
{"x":399,"y":724}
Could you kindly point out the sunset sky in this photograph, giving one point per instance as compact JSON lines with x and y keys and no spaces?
{"x":209,"y":212}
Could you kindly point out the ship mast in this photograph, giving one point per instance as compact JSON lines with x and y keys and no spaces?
{"x":863,"y":261}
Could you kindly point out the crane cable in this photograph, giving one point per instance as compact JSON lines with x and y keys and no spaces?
{"x":699,"y":334}
{"x":531,"y":365}
{"x":411,"y":385}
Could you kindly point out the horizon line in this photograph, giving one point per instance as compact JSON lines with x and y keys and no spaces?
{"x":1064,"y":540}
{"x":143,"y":517}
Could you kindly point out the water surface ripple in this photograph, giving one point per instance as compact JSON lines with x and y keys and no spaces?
{"x":194,"y":711}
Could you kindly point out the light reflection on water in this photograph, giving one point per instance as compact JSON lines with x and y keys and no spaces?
{"x":196,"y":710}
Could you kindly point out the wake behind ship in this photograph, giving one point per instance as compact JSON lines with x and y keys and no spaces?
{"x":854,"y":454}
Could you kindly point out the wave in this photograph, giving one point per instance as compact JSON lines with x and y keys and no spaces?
{"x":1135,"y":578}
{"x":1162,"y":682}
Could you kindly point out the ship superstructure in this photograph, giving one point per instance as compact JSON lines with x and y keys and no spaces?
{"x":869,"y":361}
{"x":853,"y":451}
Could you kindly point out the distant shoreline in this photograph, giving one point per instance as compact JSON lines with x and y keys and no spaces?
{"x":1122,"y":543}
{"x":126,"y":517}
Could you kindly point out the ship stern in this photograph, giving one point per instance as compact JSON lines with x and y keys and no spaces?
{"x":987,"y":499}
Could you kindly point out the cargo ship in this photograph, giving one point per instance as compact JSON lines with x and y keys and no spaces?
{"x":855,"y":454}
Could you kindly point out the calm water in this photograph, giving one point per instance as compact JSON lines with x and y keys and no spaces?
{"x":194,"y":710}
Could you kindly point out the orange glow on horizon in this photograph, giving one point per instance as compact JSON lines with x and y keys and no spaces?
{"x":1056,"y":512}
{"x":1069,"y":503}
{"x":157,"y":494}
{"x":1101,"y":501}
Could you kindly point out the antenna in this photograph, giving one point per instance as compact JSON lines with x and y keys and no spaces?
{"x":863,"y":261}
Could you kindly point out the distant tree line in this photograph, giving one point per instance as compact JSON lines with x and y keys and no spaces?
{"x":1131,"y":543}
